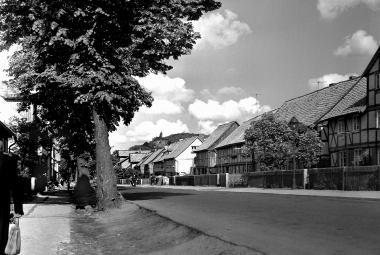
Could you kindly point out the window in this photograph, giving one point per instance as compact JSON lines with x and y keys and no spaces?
{"x":377,"y":80}
{"x":357,"y":157}
{"x":378,"y":119}
{"x":342,"y":158}
{"x":356,"y":123}
{"x":341,"y":127}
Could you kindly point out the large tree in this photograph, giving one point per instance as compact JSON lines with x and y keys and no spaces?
{"x":91,"y":50}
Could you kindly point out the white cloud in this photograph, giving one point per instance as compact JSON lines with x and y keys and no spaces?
{"x":220,"y":30}
{"x":162,"y":107}
{"x":206,"y":127}
{"x":231,"y":90}
{"x":329,"y":9}
{"x":147,"y":130}
{"x":359,"y":43}
{"x":207,"y":94}
{"x":168,"y":93}
{"x":226,"y":111}
{"x":327,"y":79}
{"x":164,"y":87}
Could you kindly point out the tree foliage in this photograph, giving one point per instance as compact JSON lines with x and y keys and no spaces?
{"x":268,"y":139}
{"x":31,"y":136}
{"x":275,"y":144}
{"x":86,"y":53}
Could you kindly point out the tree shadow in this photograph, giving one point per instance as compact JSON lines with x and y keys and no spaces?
{"x":57,"y":197}
{"x":128,"y":194}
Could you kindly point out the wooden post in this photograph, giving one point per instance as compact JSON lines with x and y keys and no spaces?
{"x":264,"y":180}
{"x":294,"y":179}
{"x":378,"y":178}
{"x":343,"y":181}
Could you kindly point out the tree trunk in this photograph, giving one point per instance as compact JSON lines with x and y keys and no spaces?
{"x":106,"y":193}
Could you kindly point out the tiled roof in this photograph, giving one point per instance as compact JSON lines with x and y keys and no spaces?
{"x":237,"y":136}
{"x":165,"y":152}
{"x":125,"y":153}
{"x":152,"y":156}
{"x":182,"y":145}
{"x":310,"y":108}
{"x":144,"y":158}
{"x":354,"y":101}
{"x":136,"y":157}
{"x":211,"y":141}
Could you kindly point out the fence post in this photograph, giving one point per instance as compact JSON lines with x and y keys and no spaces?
{"x":175,"y":181}
{"x":227,"y":179}
{"x":282,"y":179}
{"x":343,"y":182}
{"x":304,"y":178}
{"x":378,"y":178}
{"x":218,"y":180}
{"x":264,"y":180}
{"x":294,"y":179}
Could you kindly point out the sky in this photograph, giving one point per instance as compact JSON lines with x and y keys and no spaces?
{"x":252,"y":57}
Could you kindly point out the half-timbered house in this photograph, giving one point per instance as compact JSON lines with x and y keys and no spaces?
{"x":354,"y":122}
{"x":205,"y":160}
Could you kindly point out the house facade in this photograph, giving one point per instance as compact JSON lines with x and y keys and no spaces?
{"x":205,"y":159}
{"x":354,"y":123}
{"x":147,"y":164}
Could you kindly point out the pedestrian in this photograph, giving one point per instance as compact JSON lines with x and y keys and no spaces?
{"x":10,"y":184}
{"x":152,"y":179}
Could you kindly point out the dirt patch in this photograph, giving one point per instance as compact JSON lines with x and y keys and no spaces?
{"x":131,"y":230}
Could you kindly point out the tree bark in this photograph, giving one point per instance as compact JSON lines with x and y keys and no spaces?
{"x":106,"y":193}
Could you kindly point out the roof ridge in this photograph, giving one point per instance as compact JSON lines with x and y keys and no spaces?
{"x":316,"y":91}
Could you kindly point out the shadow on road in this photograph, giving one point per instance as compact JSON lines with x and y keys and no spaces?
{"x":130,"y":195}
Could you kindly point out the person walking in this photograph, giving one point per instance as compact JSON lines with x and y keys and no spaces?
{"x":10,"y":184}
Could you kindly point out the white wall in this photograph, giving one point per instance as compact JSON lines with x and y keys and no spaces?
{"x":186,"y":159}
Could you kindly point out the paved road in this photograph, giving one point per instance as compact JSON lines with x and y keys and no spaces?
{"x":271,"y":224}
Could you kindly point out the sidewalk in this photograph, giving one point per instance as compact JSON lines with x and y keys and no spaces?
{"x":294,"y":192}
{"x":46,"y":223}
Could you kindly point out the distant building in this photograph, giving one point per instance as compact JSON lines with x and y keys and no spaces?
{"x":177,"y":158}
{"x":205,"y":160}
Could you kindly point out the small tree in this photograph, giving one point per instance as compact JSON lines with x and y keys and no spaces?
{"x":309,"y":147}
{"x":275,"y":143}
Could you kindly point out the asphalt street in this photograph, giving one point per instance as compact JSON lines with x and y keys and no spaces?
{"x":270,"y":223}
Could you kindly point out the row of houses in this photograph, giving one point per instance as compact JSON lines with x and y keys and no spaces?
{"x":346,"y":114}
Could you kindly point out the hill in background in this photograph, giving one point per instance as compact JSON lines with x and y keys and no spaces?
{"x":160,"y":141}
